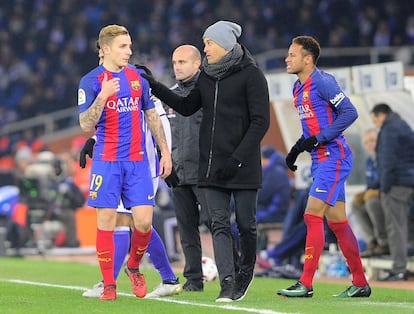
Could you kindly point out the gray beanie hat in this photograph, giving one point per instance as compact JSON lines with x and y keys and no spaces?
{"x":224,"y":33}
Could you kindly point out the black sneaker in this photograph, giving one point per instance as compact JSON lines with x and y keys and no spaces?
{"x":227,"y":287}
{"x":192,"y":285}
{"x":242,"y":284}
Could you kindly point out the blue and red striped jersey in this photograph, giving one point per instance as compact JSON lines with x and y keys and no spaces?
{"x":120,"y":133}
{"x":325,"y":112}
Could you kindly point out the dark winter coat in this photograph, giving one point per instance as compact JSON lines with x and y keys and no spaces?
{"x":185,"y":133}
{"x":395,"y":153}
{"x":235,"y":119}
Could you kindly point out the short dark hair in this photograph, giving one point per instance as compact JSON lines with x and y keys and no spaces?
{"x":309,"y":44}
{"x":381,"y":108}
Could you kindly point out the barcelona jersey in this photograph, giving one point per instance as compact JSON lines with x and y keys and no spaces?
{"x":325,"y":112}
{"x":119,"y":131}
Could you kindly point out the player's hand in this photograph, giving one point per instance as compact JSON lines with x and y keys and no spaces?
{"x":109,"y":87}
{"x":87,"y":149}
{"x":310,"y":143}
{"x":291,"y":158}
{"x":230,"y":169}
{"x":172,"y":180}
{"x":165,"y":165}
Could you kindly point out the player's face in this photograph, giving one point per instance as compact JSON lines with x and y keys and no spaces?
{"x":119,"y":51}
{"x":185,"y":64}
{"x":214,"y":52}
{"x":295,"y":60}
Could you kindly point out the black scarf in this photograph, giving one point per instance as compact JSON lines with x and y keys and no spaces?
{"x":217,"y":70}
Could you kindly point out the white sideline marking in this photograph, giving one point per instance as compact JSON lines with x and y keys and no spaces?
{"x":226,"y":307}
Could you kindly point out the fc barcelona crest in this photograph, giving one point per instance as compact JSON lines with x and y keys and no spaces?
{"x":93,"y":195}
{"x":305,"y":96}
{"x":135,"y":85}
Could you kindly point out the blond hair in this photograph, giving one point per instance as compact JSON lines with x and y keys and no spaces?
{"x":108,"y":33}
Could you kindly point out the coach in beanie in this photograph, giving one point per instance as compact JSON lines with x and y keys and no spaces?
{"x":224,"y":33}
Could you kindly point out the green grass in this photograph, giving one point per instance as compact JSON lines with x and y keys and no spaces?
{"x":56,"y":287}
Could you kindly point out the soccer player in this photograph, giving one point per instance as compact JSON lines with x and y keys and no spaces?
{"x":325,"y":112}
{"x":110,"y":100}
{"x":156,"y":250}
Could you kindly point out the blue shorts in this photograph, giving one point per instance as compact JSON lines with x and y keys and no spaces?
{"x":121,"y":208}
{"x":329,"y":179}
{"x":129,"y":181}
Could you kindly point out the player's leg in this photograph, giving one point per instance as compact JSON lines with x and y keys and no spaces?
{"x":338,"y":223}
{"x":156,"y":252}
{"x":138,"y":195}
{"x":122,"y":238}
{"x":320,"y":194}
{"x":121,"y":242}
{"x":142,"y":216}
{"x":104,"y":178}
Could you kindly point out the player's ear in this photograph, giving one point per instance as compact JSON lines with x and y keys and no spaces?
{"x":105,"y":48}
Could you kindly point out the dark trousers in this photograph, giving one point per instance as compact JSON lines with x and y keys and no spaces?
{"x":191,"y":210}
{"x":245,"y":201}
{"x":396,"y":205}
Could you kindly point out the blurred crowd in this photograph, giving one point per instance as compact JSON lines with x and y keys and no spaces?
{"x":46,"y":45}
{"x":39,"y":195}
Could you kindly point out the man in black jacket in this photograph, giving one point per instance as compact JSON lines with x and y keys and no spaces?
{"x":234,"y":96}
{"x":189,"y":201}
{"x":395,"y":160}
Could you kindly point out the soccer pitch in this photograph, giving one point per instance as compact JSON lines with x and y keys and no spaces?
{"x":42,"y":286}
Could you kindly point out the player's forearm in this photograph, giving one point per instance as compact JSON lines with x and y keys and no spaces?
{"x":89,"y":118}
{"x":157,"y":130}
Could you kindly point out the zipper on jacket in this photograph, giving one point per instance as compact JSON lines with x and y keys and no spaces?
{"x":213,"y":128}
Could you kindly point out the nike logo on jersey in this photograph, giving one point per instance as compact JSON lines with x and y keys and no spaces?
{"x":318,"y":190}
{"x":150,"y":197}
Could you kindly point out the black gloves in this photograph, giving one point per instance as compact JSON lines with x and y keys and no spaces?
{"x":143,"y":67}
{"x":87,"y":149}
{"x":294,"y":153}
{"x":302,"y":144}
{"x":310,"y":143}
{"x":147,"y":75}
{"x":172,"y":180}
{"x":291,"y":158}
{"x":229,"y":170}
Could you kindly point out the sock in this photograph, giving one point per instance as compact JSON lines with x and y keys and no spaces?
{"x":139,"y":244}
{"x":158,"y":257}
{"x":105,"y":254}
{"x":122,"y":240}
{"x":315,"y":239}
{"x":349,"y":247}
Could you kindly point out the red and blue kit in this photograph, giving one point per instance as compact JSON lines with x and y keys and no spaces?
{"x":325,"y":112}
{"x":120,"y":165}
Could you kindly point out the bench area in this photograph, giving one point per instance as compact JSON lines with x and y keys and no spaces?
{"x":269,"y":234}
{"x":373,"y":265}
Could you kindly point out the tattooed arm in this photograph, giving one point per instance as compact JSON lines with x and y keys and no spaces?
{"x":157,"y":130}
{"x":89,"y":118}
